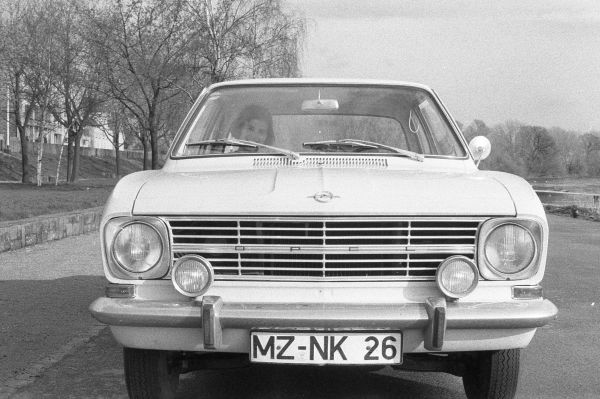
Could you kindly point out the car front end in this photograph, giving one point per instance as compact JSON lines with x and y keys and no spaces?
{"x":332,"y":245}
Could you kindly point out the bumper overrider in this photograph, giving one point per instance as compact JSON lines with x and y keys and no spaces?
{"x":434,"y":319}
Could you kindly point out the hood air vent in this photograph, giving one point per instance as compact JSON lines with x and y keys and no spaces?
{"x":325,"y":162}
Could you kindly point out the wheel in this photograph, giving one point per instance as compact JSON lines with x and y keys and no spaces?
{"x":492,"y":375}
{"x":150,"y":374}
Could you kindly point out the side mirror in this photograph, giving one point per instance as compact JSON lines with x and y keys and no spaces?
{"x":480,"y":147}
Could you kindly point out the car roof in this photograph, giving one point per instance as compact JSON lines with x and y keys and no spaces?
{"x":304,"y":81}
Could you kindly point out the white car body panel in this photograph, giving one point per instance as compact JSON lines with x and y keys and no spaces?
{"x":290,"y":191}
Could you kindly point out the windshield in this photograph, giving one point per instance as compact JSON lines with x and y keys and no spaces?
{"x":399,"y":121}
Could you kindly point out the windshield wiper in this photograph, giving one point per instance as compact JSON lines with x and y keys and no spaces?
{"x":337,"y":143}
{"x":410,"y":154}
{"x":246,"y":143}
{"x":224,"y":142}
{"x":366,"y":144}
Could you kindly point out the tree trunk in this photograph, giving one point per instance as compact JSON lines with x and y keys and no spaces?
{"x":62,"y":146}
{"x":117,"y":155}
{"x":24,"y":155}
{"x":69,"y":156}
{"x":145,"y":145}
{"x":76,"y":157}
{"x":21,"y":127}
{"x":40,"y":154}
{"x":154,"y":145}
{"x":152,"y":133}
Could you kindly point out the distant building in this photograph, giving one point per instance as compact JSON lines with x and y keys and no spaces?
{"x":52,"y":132}
{"x":95,"y":137}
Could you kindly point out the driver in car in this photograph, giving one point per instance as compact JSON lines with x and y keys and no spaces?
{"x":254,"y":123}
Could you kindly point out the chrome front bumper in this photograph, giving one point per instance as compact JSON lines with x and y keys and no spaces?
{"x":213,"y":315}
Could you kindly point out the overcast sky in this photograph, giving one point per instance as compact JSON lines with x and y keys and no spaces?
{"x":534,"y":61}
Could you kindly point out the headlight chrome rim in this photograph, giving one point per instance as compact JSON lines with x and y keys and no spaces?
{"x":537,"y":231}
{"x":116,"y":257}
{"x":444,"y":265}
{"x":207,"y":266}
{"x":110,"y":230}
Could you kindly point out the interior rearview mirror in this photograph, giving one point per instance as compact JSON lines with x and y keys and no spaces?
{"x":320,"y":105}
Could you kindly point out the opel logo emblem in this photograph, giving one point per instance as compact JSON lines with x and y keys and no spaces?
{"x":324,"y":196}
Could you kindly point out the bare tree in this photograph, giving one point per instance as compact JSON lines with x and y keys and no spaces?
{"x":277,"y":39}
{"x":154,"y":53}
{"x":43,"y":82}
{"x":46,"y":128}
{"x":76,"y":77}
{"x":25,"y":40}
{"x":151,"y":56}
{"x":240,"y":38}
{"x":538,"y":149}
{"x":141,"y":45}
{"x":505,"y":154}
{"x":114,"y":122}
{"x":133,"y":131}
{"x":569,"y":150}
{"x":591,"y":152}
{"x":171,"y":117}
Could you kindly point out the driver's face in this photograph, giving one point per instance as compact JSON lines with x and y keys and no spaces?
{"x":254,"y":130}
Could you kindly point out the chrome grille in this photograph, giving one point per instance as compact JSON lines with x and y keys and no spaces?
{"x":295,"y":248}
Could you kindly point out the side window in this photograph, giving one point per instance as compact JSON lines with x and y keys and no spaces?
{"x":445,"y":142}
{"x":205,"y":127}
{"x":416,"y":129}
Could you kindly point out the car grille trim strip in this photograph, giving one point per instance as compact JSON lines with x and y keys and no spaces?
{"x":258,"y":260}
{"x":381,"y":237}
{"x":307,"y":249}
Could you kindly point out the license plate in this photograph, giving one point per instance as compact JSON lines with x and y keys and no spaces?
{"x":381,"y":347}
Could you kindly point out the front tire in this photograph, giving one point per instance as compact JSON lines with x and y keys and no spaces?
{"x":492,"y":375}
{"x":150,"y":374}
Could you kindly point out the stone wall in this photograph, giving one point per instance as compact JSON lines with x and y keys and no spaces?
{"x":26,"y":232}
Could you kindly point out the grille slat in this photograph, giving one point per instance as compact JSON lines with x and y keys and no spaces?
{"x":312,"y":249}
{"x":335,"y":270}
{"x":302,"y":248}
{"x":233,"y":229}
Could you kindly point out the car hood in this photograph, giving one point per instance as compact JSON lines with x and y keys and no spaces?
{"x":295,"y":191}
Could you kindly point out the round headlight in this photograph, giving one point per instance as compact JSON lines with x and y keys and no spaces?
{"x":192,"y":275}
{"x":457,"y":276}
{"x":509,"y":248}
{"x":137,"y":247}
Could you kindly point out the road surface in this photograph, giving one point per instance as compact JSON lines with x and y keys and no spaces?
{"x":51,"y":348}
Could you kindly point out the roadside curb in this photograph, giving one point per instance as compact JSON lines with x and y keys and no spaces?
{"x":22,"y":233}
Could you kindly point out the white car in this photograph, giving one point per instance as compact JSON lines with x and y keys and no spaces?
{"x":323,"y":222}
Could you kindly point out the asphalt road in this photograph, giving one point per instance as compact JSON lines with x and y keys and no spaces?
{"x":51,"y":348}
